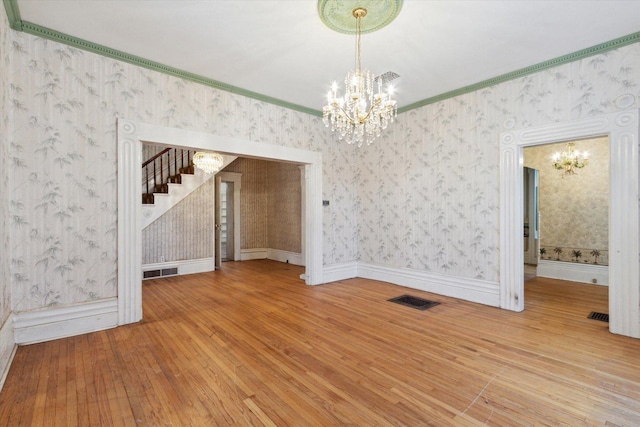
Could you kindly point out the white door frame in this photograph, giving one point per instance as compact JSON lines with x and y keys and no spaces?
{"x":236,"y":179}
{"x":131,"y":135}
{"x":622,"y":128}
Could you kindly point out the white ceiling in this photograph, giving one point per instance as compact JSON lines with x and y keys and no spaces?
{"x":283,"y":50}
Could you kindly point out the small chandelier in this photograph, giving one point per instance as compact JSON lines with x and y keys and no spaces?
{"x":208,"y":162}
{"x":570,"y":160}
{"x":364,"y":110}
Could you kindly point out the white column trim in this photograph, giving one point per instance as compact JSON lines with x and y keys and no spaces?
{"x":129,"y":223}
{"x":7,"y":348}
{"x":313,"y":221}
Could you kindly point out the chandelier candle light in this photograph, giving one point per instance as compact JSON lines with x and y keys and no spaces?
{"x":366,"y":108}
{"x":208,"y":162}
{"x":570,"y":160}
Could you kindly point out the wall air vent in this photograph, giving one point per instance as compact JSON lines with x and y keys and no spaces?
{"x":150,"y":274}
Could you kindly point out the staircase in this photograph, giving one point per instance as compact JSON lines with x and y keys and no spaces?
{"x":157,"y":172}
{"x":168,"y":177}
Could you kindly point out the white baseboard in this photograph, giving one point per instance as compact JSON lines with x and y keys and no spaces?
{"x":256,"y":253}
{"x":573,"y":271}
{"x":340,"y":271}
{"x":31,"y":327}
{"x":189,"y":266}
{"x":479,"y":291}
{"x":7,"y":348}
{"x":285,"y":256}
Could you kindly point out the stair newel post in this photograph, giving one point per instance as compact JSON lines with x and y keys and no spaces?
{"x":155,"y":177}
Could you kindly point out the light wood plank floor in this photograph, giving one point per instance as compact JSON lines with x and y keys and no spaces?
{"x":251,"y":345}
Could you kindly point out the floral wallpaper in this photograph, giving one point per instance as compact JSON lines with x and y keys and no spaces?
{"x":5,"y":278}
{"x":63,"y":206}
{"x":424,"y":197}
{"x":574,"y":209}
{"x":428,"y":190}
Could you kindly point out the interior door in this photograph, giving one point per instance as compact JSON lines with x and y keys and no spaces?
{"x":228,"y":223}
{"x":217,"y":227}
{"x":531,"y":216}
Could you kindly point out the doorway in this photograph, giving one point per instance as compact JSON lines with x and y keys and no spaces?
{"x":226,"y":221}
{"x":622,"y":128}
{"x":531,"y":233}
{"x":131,"y":135}
{"x":227,"y":226}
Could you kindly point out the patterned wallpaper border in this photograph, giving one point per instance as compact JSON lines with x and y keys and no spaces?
{"x":575,"y":255}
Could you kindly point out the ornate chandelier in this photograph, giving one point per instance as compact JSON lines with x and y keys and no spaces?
{"x":570,"y":160}
{"x":365,"y":109}
{"x":208,"y":162}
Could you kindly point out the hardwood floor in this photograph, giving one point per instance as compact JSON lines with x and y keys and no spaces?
{"x":252,"y":345}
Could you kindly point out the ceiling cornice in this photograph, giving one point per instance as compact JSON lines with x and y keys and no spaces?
{"x":16,"y":23}
{"x":584,"y":53}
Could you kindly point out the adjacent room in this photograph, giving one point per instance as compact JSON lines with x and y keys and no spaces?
{"x":319,"y":212}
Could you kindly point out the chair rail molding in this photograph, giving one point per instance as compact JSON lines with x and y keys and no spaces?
{"x":622,"y":129}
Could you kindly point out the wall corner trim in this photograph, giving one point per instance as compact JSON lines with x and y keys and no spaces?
{"x":13,"y":14}
{"x":340,"y":271}
{"x":61,"y":322}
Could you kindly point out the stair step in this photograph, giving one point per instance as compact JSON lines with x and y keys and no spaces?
{"x":147,"y":199}
{"x":175,"y":179}
{"x":161,"y":188}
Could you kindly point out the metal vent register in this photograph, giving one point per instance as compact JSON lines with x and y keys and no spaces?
{"x":603,"y":317}
{"x":414,"y":302}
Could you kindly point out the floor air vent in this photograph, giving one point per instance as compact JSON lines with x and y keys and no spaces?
{"x":603,"y":317}
{"x":150,"y":274}
{"x":414,"y":302}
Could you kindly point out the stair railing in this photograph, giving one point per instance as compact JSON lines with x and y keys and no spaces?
{"x":164,"y":157}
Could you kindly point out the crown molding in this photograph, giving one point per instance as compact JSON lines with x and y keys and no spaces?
{"x":57,"y":36}
{"x":16,"y":23}
{"x":584,"y":53}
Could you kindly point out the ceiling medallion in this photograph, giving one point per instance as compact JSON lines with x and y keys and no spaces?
{"x":338,"y":14}
{"x":366,"y":108}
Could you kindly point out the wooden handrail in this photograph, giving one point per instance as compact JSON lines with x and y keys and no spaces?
{"x":155,"y":157}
